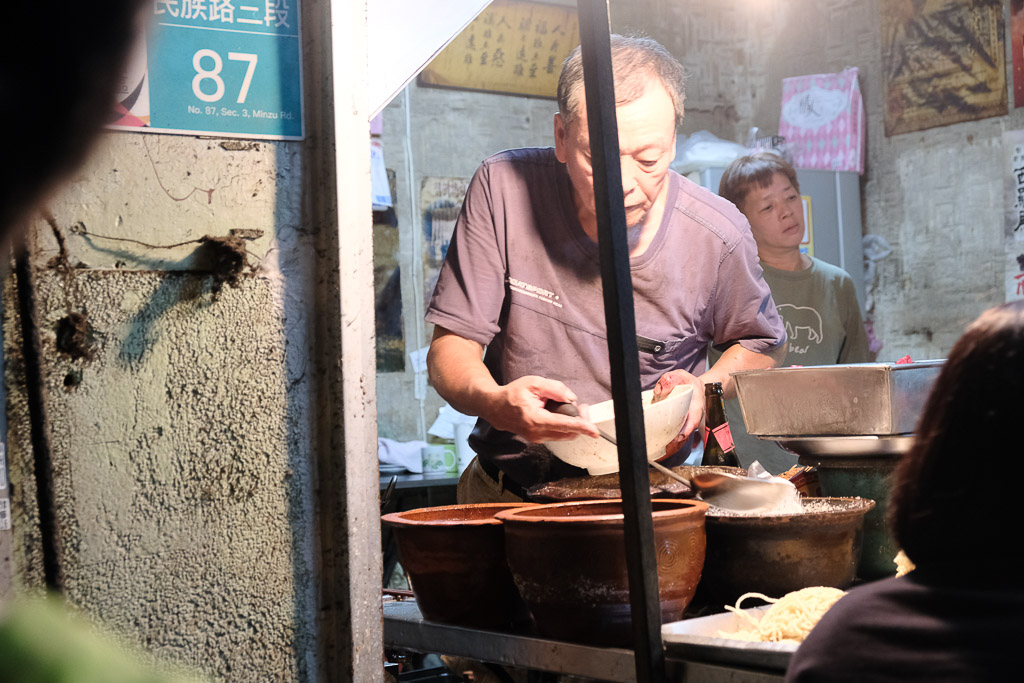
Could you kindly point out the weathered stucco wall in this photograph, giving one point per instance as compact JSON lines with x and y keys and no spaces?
{"x":181,"y":495}
{"x":181,"y":440}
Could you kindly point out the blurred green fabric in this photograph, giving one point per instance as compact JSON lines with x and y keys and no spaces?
{"x":43,"y":641}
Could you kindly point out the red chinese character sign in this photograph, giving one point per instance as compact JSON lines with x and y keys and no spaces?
{"x":823,"y":121}
{"x":511,"y":47}
{"x":1017,"y":43}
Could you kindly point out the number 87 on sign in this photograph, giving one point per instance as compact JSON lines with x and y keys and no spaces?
{"x":238,"y":74}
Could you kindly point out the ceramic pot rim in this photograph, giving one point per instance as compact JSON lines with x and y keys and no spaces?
{"x":853,"y":506}
{"x":681,"y":505}
{"x":407,"y":518}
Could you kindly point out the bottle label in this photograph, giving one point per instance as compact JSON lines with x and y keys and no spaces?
{"x":723,"y":434}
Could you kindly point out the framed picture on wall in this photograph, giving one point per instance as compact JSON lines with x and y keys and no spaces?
{"x":512,"y":47}
{"x":943,"y":61}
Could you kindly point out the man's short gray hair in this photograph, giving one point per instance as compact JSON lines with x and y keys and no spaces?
{"x":635,"y":60}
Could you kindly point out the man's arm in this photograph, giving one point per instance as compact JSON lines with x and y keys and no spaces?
{"x":457,"y":372}
{"x":737,"y":358}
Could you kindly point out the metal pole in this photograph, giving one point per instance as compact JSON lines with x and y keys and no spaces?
{"x":622,"y":347}
{"x":38,"y":427}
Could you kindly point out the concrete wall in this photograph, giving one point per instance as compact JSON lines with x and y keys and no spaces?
{"x":181,"y":438}
{"x":936,"y":196}
{"x":214,"y":460}
{"x":182,"y":484}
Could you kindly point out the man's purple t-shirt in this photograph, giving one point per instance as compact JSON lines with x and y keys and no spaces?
{"x":522,"y":278}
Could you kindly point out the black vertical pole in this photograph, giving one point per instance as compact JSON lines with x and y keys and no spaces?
{"x":622,"y":347}
{"x":34,"y":390}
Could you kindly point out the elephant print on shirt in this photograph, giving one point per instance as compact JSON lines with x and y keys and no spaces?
{"x":803,"y":326}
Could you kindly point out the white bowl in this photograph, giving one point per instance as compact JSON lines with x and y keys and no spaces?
{"x":662,"y":422}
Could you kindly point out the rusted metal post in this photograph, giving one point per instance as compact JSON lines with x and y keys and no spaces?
{"x":641,"y":562}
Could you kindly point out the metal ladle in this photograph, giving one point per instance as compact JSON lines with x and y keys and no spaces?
{"x":721,"y":489}
{"x":733,"y":492}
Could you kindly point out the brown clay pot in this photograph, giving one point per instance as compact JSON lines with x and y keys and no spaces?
{"x":605,"y":486}
{"x":455,"y":558}
{"x":569,"y":563}
{"x":778,"y":554}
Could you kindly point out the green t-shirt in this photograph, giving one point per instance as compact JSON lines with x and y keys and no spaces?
{"x":823,"y":322}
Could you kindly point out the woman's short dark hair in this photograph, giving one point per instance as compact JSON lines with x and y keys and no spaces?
{"x":754,"y":169}
{"x":956,"y":500}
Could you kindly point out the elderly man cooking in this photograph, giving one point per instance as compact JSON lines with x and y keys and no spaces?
{"x":522,"y":278}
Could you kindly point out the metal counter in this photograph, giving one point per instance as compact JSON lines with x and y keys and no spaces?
{"x":410,"y":480}
{"x":405,"y":629}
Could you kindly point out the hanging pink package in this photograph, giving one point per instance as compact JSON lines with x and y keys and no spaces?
{"x":823,"y":121}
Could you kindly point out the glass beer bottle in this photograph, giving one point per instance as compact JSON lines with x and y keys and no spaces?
{"x":719,"y":449}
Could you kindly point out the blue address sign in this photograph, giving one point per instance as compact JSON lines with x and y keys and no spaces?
{"x":221,"y":67}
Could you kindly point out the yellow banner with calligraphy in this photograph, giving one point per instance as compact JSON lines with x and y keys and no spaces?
{"x":511,"y":47}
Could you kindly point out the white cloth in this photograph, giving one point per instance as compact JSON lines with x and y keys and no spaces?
{"x":402,"y":453}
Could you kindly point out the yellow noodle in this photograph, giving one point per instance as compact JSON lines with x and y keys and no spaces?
{"x":903,"y":564}
{"x":789,"y":619}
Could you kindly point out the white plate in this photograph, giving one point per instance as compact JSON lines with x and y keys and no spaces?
{"x":391,"y":469}
{"x":699,"y":638}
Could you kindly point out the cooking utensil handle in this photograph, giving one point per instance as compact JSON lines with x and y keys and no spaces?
{"x":675,"y":475}
{"x":562,"y":408}
{"x":386,"y":497}
{"x":571,"y":410}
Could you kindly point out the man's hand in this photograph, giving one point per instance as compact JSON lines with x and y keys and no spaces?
{"x":458,"y":374}
{"x":734,"y":359}
{"x":518,"y":407}
{"x":695,"y":414}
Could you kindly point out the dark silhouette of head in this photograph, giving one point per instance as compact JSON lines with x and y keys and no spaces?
{"x":955,"y":502}
{"x":58,"y":76}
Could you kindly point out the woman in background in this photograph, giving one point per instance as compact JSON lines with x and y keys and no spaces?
{"x":817,"y":300}
{"x":956,"y":511}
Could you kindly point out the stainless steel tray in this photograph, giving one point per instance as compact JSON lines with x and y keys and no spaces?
{"x":698,"y":639}
{"x":844,"y":446}
{"x":880,"y":399}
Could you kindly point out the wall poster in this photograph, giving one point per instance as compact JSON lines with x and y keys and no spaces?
{"x":387,"y":288}
{"x":511,"y":47}
{"x":822,"y":120}
{"x":216,"y":67}
{"x":943,"y":62}
{"x":440,"y":203}
{"x":1013,"y":170}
